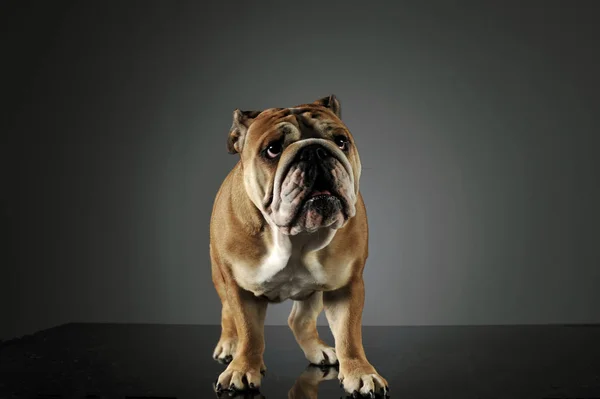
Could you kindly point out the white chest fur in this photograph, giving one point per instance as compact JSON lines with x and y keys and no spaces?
{"x":291,"y":269}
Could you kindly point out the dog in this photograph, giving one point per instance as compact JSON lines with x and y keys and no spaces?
{"x":289,"y":222}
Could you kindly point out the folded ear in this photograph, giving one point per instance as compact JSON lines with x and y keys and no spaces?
{"x":237,"y":133}
{"x":332,"y":103}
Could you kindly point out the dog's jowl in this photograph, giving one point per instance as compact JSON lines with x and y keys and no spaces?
{"x":289,"y":222}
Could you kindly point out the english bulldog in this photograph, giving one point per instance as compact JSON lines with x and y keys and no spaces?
{"x":289,"y":222}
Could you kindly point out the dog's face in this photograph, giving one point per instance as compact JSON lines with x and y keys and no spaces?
{"x":301,"y":166}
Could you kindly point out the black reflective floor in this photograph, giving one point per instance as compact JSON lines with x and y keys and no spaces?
{"x":162,"y":361}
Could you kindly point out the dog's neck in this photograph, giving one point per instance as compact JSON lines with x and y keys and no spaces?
{"x":300,"y":243}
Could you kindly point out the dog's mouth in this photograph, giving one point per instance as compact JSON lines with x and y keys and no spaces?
{"x":317,"y":193}
{"x":324,"y":204}
{"x":321,"y":189}
{"x":320,"y":201}
{"x":320,"y":186}
{"x":310,"y":195}
{"x":323,"y":199}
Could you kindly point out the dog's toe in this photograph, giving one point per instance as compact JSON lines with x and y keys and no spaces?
{"x":239,"y":376}
{"x":321,"y":355}
{"x":361,"y":378}
{"x":225,"y":350}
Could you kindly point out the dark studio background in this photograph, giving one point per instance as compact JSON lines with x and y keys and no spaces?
{"x":477,"y":126}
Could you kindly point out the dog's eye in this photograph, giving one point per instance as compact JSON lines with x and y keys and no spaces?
{"x":273,"y":150}
{"x":342,"y":142}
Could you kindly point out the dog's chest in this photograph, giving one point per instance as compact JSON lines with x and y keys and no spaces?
{"x":284,"y":275}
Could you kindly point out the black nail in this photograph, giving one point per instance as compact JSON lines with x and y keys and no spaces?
{"x":355,"y":394}
{"x":372,"y":394}
{"x":219,"y":386}
{"x":232,"y":387}
{"x":252,"y":385}
{"x":341,"y":385}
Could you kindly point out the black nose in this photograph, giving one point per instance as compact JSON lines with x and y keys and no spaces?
{"x":314,"y":152}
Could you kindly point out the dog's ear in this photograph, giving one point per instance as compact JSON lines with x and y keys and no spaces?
{"x":237,"y":133}
{"x":332,"y":103}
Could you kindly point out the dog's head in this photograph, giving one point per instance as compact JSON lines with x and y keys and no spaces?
{"x":301,"y":166}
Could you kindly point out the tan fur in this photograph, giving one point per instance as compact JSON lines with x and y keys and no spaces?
{"x":303,"y":323}
{"x":241,"y":239}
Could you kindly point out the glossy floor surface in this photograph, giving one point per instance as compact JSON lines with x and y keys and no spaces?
{"x":174,"y":361}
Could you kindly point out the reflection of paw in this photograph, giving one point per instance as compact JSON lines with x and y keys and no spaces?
{"x":240,"y":394}
{"x":320,"y":354}
{"x":242,"y":374}
{"x":224,"y":350}
{"x":315,"y":375}
{"x":359,"y":378}
{"x":307,"y":384}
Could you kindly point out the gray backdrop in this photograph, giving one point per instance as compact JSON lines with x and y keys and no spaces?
{"x":477,"y":127}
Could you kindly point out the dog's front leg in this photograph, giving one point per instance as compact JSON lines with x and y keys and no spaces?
{"x":344,"y":308}
{"x":244,"y":371}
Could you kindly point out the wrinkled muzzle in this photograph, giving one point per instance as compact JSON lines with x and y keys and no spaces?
{"x":313,"y":188}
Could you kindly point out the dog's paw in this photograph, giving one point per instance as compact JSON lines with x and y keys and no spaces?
{"x":242,"y":374}
{"x":225,"y":350}
{"x":320,"y":354}
{"x":360,"y":379}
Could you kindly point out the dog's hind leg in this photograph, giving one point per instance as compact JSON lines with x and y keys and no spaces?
{"x":303,"y":322}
